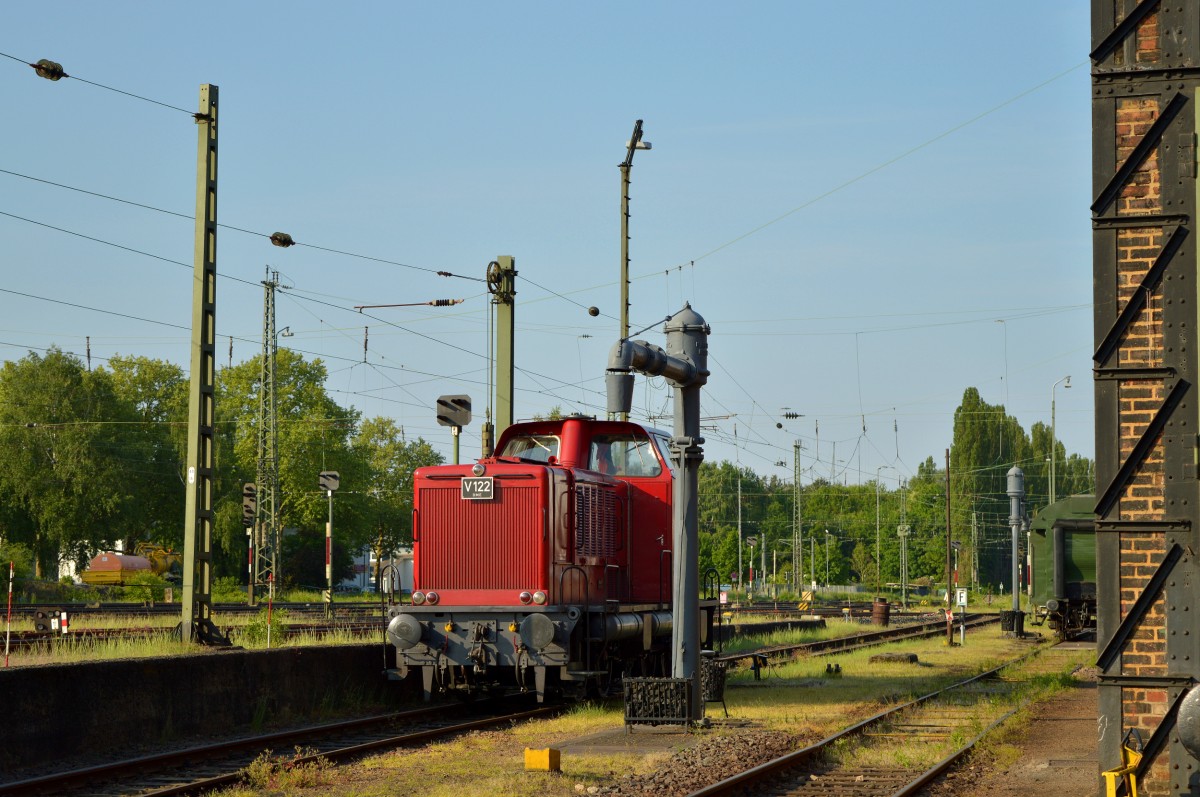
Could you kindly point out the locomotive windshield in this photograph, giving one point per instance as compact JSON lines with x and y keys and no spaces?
{"x":532,"y":448}
{"x":623,"y":455}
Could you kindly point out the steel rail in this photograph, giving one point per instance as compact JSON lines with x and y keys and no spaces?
{"x":797,"y":758}
{"x":859,"y":641}
{"x":934,"y":772}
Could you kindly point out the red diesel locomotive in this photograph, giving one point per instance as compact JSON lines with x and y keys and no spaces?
{"x":546,"y":566}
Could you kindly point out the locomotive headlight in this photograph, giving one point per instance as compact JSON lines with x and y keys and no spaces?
{"x":525,"y":598}
{"x":418,"y":598}
{"x":477,"y":469}
{"x":539,"y":598}
{"x":432,"y":597}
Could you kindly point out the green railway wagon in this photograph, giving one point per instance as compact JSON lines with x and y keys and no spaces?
{"x":1062,"y":542}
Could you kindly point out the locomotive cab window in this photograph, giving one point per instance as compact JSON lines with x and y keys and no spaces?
{"x":664,"y":449}
{"x":623,"y":455}
{"x":532,"y":448}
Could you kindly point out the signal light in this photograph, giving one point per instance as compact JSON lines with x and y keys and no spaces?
{"x":249,"y":503}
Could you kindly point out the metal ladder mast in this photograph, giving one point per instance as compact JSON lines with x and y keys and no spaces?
{"x":266,"y":557}
{"x":196,"y":621}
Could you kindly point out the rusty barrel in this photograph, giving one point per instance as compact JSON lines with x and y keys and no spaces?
{"x":881,"y":612}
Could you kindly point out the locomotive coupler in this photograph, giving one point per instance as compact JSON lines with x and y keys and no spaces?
{"x":477,"y":653}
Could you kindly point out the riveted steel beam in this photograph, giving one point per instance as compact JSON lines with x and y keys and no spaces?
{"x":1141,"y":449}
{"x":1122,"y":31}
{"x":1137,"y":303}
{"x":1138,"y":156}
{"x":1140,"y":607}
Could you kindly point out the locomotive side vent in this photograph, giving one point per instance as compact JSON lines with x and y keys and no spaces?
{"x":595,"y":520}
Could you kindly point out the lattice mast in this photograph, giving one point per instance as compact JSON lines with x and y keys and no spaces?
{"x":267,"y":570}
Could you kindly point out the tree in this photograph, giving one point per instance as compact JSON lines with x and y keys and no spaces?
{"x":390,"y":462}
{"x":67,"y":474}
{"x":314,"y":435}
{"x":863,"y":564}
{"x":987,"y":443}
{"x":157,"y":393}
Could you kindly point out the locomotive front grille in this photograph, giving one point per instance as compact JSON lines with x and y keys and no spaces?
{"x":595,"y":520}
{"x":480,"y":545}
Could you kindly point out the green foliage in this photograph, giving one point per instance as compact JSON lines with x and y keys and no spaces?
{"x":228,"y":589}
{"x":555,"y":414}
{"x":65,"y":475}
{"x":156,"y":392}
{"x":987,"y":443}
{"x":19,"y":556}
{"x":304,"y":553}
{"x":863,"y":564}
{"x":286,"y":774}
{"x":314,"y":435}
{"x":390,"y":462}
{"x":143,"y":587}
{"x":254,"y":633}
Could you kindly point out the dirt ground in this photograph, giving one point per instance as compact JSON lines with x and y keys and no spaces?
{"x":1057,"y":755}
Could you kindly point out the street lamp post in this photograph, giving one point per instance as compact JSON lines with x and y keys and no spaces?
{"x":741,"y":585}
{"x":635,"y":143}
{"x":878,"y":559}
{"x":826,"y":558}
{"x":1053,"y":443}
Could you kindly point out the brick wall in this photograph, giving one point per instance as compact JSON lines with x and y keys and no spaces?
{"x":1138,"y":402}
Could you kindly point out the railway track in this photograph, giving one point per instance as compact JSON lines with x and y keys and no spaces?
{"x":868,"y":758}
{"x":199,"y":769}
{"x":853,"y":642}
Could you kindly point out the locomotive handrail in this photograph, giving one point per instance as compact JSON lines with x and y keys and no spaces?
{"x":608,"y":586}
{"x":668,"y":553}
{"x":713,"y":579}
{"x":386,"y":595}
{"x":587,"y":613}
{"x":390,"y":571}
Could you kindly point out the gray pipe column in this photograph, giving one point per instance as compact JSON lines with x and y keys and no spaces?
{"x":685,"y":365}
{"x":1016,"y":497}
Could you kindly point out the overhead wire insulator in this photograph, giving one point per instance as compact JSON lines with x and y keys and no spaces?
{"x":51,"y":70}
{"x":791,"y":416}
{"x":282,"y":239}
{"x":445,"y":302}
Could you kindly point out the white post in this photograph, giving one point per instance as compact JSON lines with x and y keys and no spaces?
{"x":8,"y":617}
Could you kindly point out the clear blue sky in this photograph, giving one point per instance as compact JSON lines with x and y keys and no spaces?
{"x":874,"y":205}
